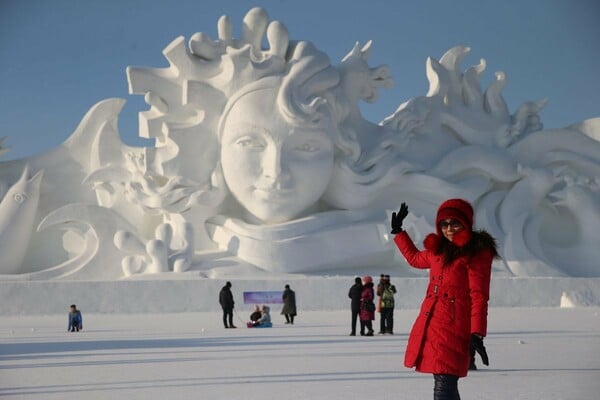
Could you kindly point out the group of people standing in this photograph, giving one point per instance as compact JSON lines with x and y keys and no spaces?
{"x":452,"y":321}
{"x":261,"y":316}
{"x":362,"y":296}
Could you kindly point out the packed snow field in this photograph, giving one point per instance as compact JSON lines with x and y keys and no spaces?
{"x":535,"y":353}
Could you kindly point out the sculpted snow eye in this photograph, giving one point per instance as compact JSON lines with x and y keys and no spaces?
{"x":251,"y":143}
{"x":20,"y":197}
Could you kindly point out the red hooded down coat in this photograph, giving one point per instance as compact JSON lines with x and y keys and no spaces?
{"x":366,"y":297}
{"x":455,"y":306}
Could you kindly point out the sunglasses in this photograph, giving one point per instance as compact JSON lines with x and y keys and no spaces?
{"x":454,"y":224}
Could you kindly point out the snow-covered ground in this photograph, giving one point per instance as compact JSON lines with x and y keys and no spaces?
{"x":535,"y":353}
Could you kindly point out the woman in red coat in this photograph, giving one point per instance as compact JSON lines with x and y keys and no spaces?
{"x":367,"y":306}
{"x":454,"y":311}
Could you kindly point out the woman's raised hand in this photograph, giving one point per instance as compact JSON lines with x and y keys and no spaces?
{"x":398,"y":217}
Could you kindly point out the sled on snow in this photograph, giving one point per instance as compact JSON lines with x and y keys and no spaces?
{"x":265,"y":325}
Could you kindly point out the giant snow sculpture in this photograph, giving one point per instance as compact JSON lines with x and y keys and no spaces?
{"x":263,"y":160}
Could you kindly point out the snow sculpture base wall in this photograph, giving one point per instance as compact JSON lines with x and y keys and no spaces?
{"x":317,"y":293}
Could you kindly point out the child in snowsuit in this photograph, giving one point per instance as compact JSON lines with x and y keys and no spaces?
{"x":75,"y":319}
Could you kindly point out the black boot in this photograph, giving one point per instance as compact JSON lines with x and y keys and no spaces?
{"x":472,"y":366}
{"x":445,"y":387}
{"x":369,"y":326}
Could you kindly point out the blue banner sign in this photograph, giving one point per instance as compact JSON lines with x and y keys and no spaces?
{"x":263,"y":297}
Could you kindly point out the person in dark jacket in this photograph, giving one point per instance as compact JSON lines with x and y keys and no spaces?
{"x":289,"y":305}
{"x":256,"y":314}
{"x":454,"y":311}
{"x":354,"y":294}
{"x":367,"y":306}
{"x":227,"y":303}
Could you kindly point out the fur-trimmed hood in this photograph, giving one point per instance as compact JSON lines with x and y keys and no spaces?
{"x":479,"y":240}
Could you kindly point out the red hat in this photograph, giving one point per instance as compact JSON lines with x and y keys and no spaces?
{"x":460,"y":210}
{"x":367,"y":279}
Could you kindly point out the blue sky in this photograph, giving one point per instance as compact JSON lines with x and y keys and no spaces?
{"x":60,"y":57}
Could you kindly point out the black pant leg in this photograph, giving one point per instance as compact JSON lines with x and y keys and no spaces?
{"x":354,"y":319}
{"x":231,"y":319}
{"x":387,"y":316}
{"x":225,"y":319}
{"x":445,"y":387}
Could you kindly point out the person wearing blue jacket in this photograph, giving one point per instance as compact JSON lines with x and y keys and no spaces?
{"x":75,"y":319}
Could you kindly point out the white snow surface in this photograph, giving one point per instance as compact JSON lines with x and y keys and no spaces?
{"x":535,"y":353}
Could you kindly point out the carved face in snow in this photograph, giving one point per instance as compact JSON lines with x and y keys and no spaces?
{"x":276,"y":169}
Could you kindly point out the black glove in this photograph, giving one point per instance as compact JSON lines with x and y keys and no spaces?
{"x":477,"y":345}
{"x":398,"y":217}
